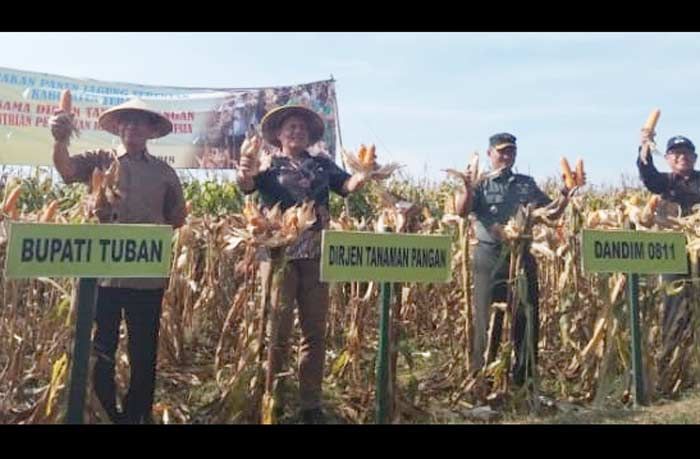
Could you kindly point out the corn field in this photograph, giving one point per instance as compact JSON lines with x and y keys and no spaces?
{"x":210,"y":368}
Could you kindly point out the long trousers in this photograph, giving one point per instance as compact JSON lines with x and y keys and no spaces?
{"x":300,"y":287}
{"x":141,"y":309}
{"x":490,"y":268}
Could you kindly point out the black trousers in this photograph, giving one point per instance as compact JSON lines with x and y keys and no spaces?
{"x":491,"y":285}
{"x":141,"y":309}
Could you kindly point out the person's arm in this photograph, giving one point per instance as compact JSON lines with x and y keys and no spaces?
{"x":339,"y":181}
{"x":174,"y":205}
{"x":354,"y":183}
{"x":61,"y":130}
{"x":248,"y":167}
{"x":61,"y":160}
{"x":653,"y":180}
{"x":76,"y":168}
{"x":555,"y":207}
{"x":465,"y":200}
{"x":558,"y":206}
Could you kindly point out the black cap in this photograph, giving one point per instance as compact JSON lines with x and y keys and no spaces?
{"x":502,"y":140}
{"x":680,"y":141}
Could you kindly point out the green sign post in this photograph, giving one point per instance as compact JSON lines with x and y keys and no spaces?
{"x":86,"y":251}
{"x":634,"y":252}
{"x":384,"y":257}
{"x":86,"y":295}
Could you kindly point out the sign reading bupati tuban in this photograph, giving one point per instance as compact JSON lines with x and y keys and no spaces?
{"x":56,"y":250}
{"x":209,"y":125}
{"x":363,"y":256}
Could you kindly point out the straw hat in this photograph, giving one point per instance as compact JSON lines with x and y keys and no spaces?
{"x":109,"y":119}
{"x":272,"y":121}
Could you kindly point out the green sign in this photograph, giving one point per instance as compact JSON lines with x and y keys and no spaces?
{"x":89,"y":250}
{"x":385,"y":257}
{"x":640,"y":252}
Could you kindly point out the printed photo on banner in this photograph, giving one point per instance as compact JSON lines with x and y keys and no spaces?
{"x":209,"y":124}
{"x":218,"y":144}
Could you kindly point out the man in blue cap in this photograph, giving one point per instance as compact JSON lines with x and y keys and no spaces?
{"x":681,"y":186}
{"x":494,"y":201}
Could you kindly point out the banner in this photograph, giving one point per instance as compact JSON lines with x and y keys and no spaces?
{"x":209,"y":124}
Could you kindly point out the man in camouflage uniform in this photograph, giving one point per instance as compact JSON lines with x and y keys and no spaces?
{"x":493,"y":201}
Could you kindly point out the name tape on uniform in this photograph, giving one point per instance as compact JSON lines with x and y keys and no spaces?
{"x":643,"y":252}
{"x":385,"y":257}
{"x":88,"y":250}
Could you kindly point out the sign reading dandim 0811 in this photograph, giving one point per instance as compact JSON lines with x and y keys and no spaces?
{"x":384,"y":257}
{"x":643,"y":252}
{"x":56,"y":250}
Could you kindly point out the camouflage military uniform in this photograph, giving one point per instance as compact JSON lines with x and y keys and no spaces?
{"x":495,"y":201}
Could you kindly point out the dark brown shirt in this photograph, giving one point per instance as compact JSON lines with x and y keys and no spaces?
{"x":150,"y":193}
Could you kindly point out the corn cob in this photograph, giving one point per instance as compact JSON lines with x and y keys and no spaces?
{"x":371,"y":155}
{"x":650,"y":209}
{"x":66,"y":103}
{"x":97,"y":179}
{"x":362,"y":154}
{"x":652,"y":119}
{"x":9,"y":207}
{"x":367,"y":156}
{"x":49,"y":212}
{"x":568,"y":176}
{"x":580,"y":180}
{"x":474,"y":167}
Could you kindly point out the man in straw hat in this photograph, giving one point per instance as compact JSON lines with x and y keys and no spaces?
{"x":494,"y":201}
{"x":292,"y":177}
{"x":147,"y":191}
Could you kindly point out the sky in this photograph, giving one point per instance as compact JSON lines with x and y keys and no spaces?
{"x":427,"y":100}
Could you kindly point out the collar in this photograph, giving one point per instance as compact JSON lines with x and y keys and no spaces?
{"x":504,"y":174}
{"x":304,"y":156}
{"x":145,"y":155}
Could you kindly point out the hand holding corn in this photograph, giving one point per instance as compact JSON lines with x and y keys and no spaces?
{"x":365,"y":163}
{"x":465,"y":177}
{"x":250,"y":156}
{"x":647,"y":136}
{"x":572,"y":180}
{"x":62,"y":123}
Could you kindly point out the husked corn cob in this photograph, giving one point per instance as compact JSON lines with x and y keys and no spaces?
{"x":653,"y":118}
{"x":66,"y":102}
{"x":49,"y":212}
{"x":568,"y":176}
{"x":9,"y":207}
{"x":580,"y":174}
